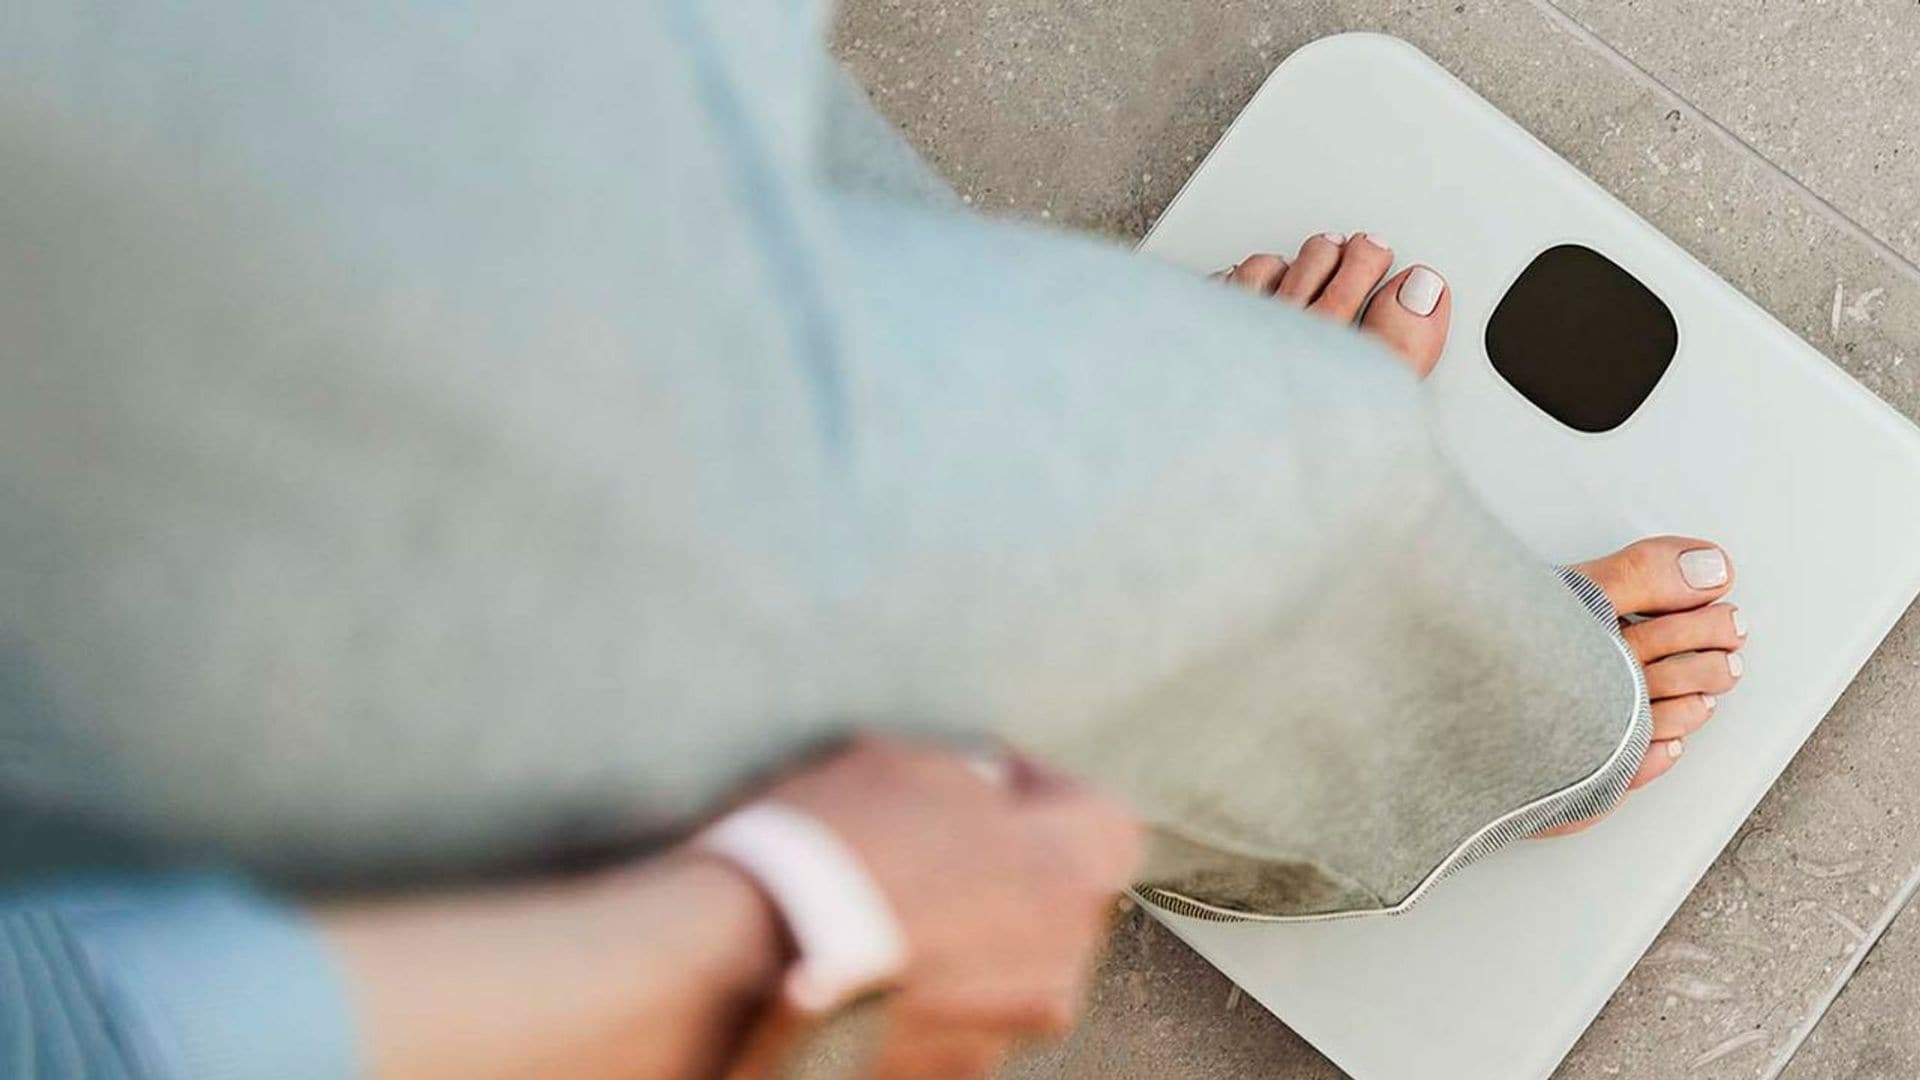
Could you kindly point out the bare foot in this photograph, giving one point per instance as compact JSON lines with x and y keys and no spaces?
{"x":1335,"y":276}
{"x":1666,"y":589}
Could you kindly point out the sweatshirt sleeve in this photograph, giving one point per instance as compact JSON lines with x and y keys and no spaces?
{"x":174,"y":978}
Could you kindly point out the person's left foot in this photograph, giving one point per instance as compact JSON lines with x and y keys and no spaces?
{"x":1335,"y":276}
{"x":1667,"y":590}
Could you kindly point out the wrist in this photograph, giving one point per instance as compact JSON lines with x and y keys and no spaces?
{"x":845,"y":935}
{"x":763,"y":949}
{"x":733,"y":939}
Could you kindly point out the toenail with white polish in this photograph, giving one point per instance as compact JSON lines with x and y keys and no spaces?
{"x":1379,"y":243}
{"x":1734,"y":665}
{"x":1675,"y":748}
{"x":1739,"y":623}
{"x":1420,"y":293}
{"x":1711,"y":701}
{"x":1703,"y":568}
{"x":1334,"y":237}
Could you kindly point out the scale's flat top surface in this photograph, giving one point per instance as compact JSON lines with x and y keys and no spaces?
{"x":1750,"y":437}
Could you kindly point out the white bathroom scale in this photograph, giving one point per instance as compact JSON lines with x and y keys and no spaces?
{"x":1624,"y":391}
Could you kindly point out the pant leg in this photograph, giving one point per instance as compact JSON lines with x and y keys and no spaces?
{"x":863,"y":154}
{"x":495,"y":427}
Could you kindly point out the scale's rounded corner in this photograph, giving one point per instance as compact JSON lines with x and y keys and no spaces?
{"x":1355,"y":56}
{"x":1357,"y":46}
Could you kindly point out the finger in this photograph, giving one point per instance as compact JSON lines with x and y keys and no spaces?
{"x":936,"y":1045}
{"x":996,"y":770}
{"x":1023,"y":1001}
{"x":1033,"y":778}
{"x":1099,"y":835}
{"x":771,"y":1043}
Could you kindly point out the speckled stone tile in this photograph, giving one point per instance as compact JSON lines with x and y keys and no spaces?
{"x":1091,"y":115}
{"x":1773,"y":924}
{"x":1158,"y":1012}
{"x":1830,"y":91}
{"x":1087,"y":113}
{"x":1873,"y":1030}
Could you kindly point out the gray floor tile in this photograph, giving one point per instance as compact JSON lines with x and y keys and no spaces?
{"x":1829,"y":91}
{"x":1775,"y":922}
{"x":1873,"y":1031}
{"x":1090,"y":114}
{"x":1082,"y":112}
{"x":1159,"y":1012}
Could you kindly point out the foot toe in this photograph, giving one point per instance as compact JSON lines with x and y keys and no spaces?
{"x":1662,"y":574}
{"x":1716,"y":626}
{"x":1659,"y":758}
{"x":1678,"y":717}
{"x":1412,"y":314}
{"x":1364,"y":260}
{"x":1711,"y":672}
{"x":1312,"y":268}
{"x":1259,"y":274}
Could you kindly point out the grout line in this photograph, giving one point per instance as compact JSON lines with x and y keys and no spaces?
{"x":1833,"y":214}
{"x":1784,"y":1056}
{"x":1904,"y":897}
{"x":1907,"y":267}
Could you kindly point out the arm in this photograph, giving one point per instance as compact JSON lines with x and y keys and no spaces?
{"x":655,"y":969}
{"x":166,"y":978}
{"x":651,"y":971}
{"x":1000,"y":889}
{"x":648,"y":971}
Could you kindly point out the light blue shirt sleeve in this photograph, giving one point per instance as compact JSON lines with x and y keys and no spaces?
{"x":176,"y":978}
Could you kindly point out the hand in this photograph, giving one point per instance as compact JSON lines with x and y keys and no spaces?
{"x":1001,"y":888}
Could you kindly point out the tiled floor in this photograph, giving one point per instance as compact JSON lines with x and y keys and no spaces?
{"x":1778,"y":141}
{"x":1829,"y":91}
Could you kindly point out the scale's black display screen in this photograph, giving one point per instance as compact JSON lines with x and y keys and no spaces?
{"x":1581,"y":338}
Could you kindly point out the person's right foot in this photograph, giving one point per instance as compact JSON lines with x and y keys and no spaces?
{"x":1335,"y":275}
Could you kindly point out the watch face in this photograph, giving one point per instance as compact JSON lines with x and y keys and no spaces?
{"x":1581,"y":338}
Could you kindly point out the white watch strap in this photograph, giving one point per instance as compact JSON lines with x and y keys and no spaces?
{"x":848,"y":938}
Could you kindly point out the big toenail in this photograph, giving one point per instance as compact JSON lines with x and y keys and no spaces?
{"x":1739,"y":623}
{"x":1675,"y":748}
{"x":1735,"y":665}
{"x":1420,"y":293}
{"x":1334,"y":237}
{"x":1703,"y":568}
